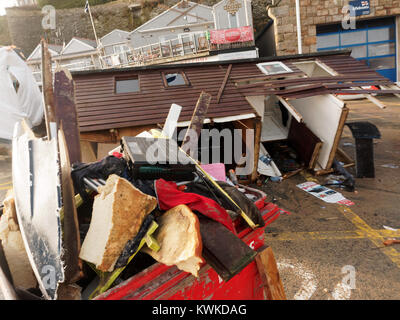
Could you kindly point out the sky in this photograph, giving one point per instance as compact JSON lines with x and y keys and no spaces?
{"x":4,"y":4}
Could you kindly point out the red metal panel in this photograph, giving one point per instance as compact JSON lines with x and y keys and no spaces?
{"x":169,"y":283}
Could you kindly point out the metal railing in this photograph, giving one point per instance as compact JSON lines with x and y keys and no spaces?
{"x":76,"y":66}
{"x":190,"y":44}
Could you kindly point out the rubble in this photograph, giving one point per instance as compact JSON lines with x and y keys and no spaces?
{"x":180,"y":241}
{"x":118,"y":212}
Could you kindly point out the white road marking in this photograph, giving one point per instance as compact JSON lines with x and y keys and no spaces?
{"x":309,"y":283}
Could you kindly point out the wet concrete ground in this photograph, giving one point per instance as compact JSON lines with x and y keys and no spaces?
{"x":329,"y":251}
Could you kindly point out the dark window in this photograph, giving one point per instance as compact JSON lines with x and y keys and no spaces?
{"x":175,"y":79}
{"x":127,"y":85}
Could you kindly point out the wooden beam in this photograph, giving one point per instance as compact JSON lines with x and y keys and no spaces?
{"x":196,"y":123}
{"x":222,"y":88}
{"x":291,"y":109}
{"x":338,"y":136}
{"x":257,"y":141}
{"x":48,"y":96}
{"x":269,"y":273}
{"x":65,"y":113}
{"x":69,"y":217}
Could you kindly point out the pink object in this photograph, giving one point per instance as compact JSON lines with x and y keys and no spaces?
{"x":216,"y":170}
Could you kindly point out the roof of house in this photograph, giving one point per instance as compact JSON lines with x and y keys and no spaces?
{"x":89,"y":42}
{"x":229,"y":83}
{"x":173,"y":8}
{"x":54,"y":49}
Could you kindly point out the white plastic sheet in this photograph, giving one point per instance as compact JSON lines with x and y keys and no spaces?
{"x":27,"y":103}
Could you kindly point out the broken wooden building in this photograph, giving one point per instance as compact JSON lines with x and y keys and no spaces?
{"x":279,"y":97}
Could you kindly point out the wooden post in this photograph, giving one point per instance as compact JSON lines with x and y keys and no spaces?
{"x":71,"y":237}
{"x":65,"y":112}
{"x":196,"y":123}
{"x":269,"y":273}
{"x":257,"y":141}
{"x":222,"y":88}
{"x":47,"y":83}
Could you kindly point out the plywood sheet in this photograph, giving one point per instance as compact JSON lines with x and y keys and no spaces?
{"x":322,"y":115}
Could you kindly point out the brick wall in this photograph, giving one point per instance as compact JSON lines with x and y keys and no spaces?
{"x":315,"y":12}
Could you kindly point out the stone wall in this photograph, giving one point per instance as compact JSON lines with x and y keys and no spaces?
{"x":25,"y":24}
{"x":4,"y":34}
{"x":316,"y":12}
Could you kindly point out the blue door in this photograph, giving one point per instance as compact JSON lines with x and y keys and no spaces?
{"x":373,"y":41}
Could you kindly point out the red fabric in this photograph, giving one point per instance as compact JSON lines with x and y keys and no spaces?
{"x":169,"y":197}
{"x":117,"y":155}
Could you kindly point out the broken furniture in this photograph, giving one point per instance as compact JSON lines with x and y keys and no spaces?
{"x":364,"y":133}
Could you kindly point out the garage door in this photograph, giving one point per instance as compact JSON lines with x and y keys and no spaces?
{"x":373,"y":41}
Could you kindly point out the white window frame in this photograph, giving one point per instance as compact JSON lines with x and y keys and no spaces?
{"x":237,"y":20}
{"x":285,"y":67}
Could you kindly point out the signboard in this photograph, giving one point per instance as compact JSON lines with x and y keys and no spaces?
{"x":361,"y":7}
{"x":243,"y":34}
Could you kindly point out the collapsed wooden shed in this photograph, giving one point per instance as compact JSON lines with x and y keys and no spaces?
{"x":116,"y":102}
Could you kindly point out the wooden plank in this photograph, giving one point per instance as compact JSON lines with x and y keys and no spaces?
{"x":291,"y":109}
{"x":222,"y":88}
{"x":69,"y":216}
{"x":339,"y":132}
{"x":48,"y":96}
{"x":65,"y":113}
{"x":305,"y":142}
{"x":257,"y":141}
{"x":268,"y":270}
{"x":313,"y":161}
{"x":190,"y":142}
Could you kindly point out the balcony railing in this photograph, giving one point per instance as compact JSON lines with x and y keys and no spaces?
{"x":76,"y":66}
{"x":192,"y":44}
{"x":182,"y":47}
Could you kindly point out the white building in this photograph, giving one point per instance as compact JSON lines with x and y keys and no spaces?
{"x":186,"y":31}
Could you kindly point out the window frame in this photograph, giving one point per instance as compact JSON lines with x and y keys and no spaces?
{"x":284,"y":66}
{"x":185,"y":78}
{"x":365,"y":28}
{"x":122,"y":78}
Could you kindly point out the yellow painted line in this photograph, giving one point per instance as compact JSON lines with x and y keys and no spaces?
{"x":330,"y":235}
{"x":318,"y":235}
{"x":363,"y":231}
{"x":6,"y":188}
{"x":6,"y":183}
{"x":371,"y":234}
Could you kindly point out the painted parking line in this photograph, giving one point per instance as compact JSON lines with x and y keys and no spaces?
{"x":331,"y":235}
{"x":362,"y":231}
{"x":5,"y":183}
{"x":373,"y":235}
